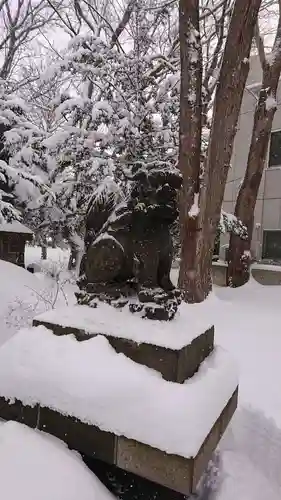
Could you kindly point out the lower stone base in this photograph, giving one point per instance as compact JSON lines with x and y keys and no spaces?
{"x":174,"y":472}
{"x":125,"y":485}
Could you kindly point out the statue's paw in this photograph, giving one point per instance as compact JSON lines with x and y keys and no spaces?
{"x":86,"y":299}
{"x":135,"y":307}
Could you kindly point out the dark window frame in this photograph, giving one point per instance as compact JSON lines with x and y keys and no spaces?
{"x":274,"y":160}
{"x":14,"y":244}
{"x":265,"y":248}
{"x":217,"y":246}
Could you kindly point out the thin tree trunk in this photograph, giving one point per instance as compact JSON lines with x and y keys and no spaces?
{"x":75,"y":258}
{"x":197,"y":251}
{"x":238,"y":272}
{"x":44,"y":248}
{"x":72,"y":259}
{"x":76,"y":250}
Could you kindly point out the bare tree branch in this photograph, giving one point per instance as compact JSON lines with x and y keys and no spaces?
{"x":67,"y":22}
{"x":19,"y":25}
{"x":124,"y":21}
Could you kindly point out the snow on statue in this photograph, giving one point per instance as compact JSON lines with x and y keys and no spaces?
{"x":129,"y":247}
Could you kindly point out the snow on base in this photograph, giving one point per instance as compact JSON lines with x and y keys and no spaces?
{"x":107,"y":320}
{"x":90,"y":381}
{"x":35,"y":466}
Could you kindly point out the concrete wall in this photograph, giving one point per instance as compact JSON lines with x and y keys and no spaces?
{"x":265,"y":275}
{"x":268,"y":207}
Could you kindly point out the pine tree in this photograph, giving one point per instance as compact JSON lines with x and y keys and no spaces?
{"x":20,"y":165}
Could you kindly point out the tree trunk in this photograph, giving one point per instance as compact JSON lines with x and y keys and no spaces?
{"x":200,"y":232}
{"x":238,"y":271}
{"x":72,"y":259}
{"x":44,"y":249}
{"x":189,"y":142}
{"x":76,"y":250}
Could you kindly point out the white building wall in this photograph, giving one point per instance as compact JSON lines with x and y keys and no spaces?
{"x":268,"y":207}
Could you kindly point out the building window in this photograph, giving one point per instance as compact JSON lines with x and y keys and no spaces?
{"x":271,"y":245}
{"x":275,"y":149}
{"x":14,"y":245}
{"x":216,"y":247}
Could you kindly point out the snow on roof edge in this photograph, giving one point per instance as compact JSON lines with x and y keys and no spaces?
{"x":15,"y":227}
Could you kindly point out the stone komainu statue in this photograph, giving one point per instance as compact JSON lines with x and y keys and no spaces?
{"x":128,"y":245}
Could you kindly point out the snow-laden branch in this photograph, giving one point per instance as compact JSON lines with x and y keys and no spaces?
{"x":229,"y":223}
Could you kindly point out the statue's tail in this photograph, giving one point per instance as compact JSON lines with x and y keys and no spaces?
{"x":101,"y":205}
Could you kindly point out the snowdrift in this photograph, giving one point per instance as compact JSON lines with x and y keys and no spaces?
{"x":34,"y":465}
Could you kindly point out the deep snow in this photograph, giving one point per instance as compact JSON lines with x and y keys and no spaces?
{"x":36,"y":466}
{"x":24,"y":295}
{"x":129,"y":399}
{"x":247,"y":323}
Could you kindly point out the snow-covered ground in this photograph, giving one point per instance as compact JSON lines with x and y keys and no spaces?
{"x":24,"y":295}
{"x":36,"y":466}
{"x":56,"y":256}
{"x":247,"y":324}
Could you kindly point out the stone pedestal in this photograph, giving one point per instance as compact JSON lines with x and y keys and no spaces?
{"x":176,"y":362}
{"x":171,"y":471}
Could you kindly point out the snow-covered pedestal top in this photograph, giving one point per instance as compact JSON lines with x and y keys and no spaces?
{"x":105,"y":319}
{"x":90,"y":381}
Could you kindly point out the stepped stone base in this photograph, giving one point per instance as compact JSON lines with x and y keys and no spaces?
{"x":126,"y":485}
{"x":177,"y":473}
{"x":175,"y":365}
